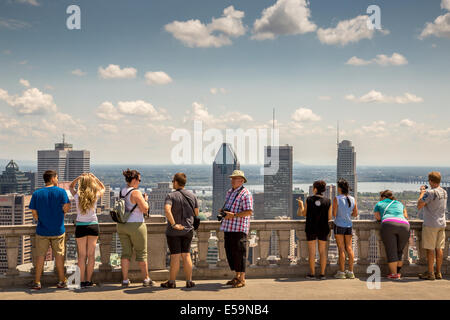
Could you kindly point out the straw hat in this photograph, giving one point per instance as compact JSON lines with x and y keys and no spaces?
{"x":238,"y":173}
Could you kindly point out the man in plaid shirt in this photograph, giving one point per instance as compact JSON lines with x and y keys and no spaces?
{"x":238,"y":208}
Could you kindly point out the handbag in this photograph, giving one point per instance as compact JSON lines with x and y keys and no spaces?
{"x":197,"y":220}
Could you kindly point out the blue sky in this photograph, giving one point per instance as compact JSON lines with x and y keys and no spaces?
{"x":394,"y":107}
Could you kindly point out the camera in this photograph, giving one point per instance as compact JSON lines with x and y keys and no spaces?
{"x":425,"y":186}
{"x":221,"y":215}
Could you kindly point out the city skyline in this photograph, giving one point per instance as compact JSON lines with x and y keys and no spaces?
{"x":132,"y":73}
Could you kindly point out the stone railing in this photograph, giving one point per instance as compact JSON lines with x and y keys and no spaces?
{"x":285,"y":265}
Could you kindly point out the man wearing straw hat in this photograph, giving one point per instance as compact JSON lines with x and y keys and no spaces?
{"x":237,"y":211}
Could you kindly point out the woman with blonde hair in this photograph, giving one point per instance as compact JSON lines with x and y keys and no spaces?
{"x":90,"y":189}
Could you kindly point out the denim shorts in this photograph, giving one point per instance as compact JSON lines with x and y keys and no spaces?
{"x":343,"y":230}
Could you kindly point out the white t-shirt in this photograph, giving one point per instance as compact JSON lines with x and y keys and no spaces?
{"x":90,"y":215}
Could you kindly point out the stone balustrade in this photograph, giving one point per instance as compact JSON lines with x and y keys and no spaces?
{"x":284,"y":266}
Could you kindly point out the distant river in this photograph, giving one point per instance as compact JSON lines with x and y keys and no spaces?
{"x":372,"y":187}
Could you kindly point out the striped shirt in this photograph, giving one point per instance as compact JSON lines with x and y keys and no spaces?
{"x":236,"y":201}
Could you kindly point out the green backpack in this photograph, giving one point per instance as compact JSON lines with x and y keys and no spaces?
{"x":119,"y":213}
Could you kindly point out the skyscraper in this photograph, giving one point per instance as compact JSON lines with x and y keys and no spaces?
{"x":67,"y":162}
{"x":278,"y":186}
{"x":346,"y":165}
{"x":157,"y":198}
{"x":14,"y":210}
{"x":13,"y":180}
{"x":225,"y":162}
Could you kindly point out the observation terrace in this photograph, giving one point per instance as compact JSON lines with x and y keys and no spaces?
{"x":283,"y":278}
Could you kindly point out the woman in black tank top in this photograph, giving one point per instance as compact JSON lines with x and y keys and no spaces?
{"x":317,"y":210}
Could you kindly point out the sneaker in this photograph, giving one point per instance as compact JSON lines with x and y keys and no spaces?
{"x":232,"y":282}
{"x":310,"y":276}
{"x":322,"y":277}
{"x":83,"y":284}
{"x":169,"y":284}
{"x":148,"y":282}
{"x":190,"y":284}
{"x":427,"y":276}
{"x":88,"y":284}
{"x":126,"y":283}
{"x":438,"y":275}
{"x":340,"y":275}
{"x":62,"y":284}
{"x":36,"y":286}
{"x":393,"y":276}
{"x":349,"y":275}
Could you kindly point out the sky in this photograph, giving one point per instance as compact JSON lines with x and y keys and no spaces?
{"x":138,"y":72}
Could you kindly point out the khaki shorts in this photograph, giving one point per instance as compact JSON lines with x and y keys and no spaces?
{"x":57,"y":243}
{"x":433,"y":238}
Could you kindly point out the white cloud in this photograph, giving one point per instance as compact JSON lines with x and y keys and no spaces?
{"x":107,"y":111}
{"x":157,"y":78}
{"x":285,"y":17}
{"x":24,"y":82}
{"x":305,"y":115}
{"x":347,"y":31}
{"x":376,"y":127}
{"x":445,"y":4}
{"x":439,"y":28}
{"x":113,"y":71}
{"x":376,"y":96}
{"x":324,"y":98}
{"x":30,"y":2}
{"x":217,"y":33}
{"x":13,"y":24}
{"x":217,"y":90}
{"x":140,"y":108}
{"x":407,"y":123}
{"x":355,"y":61}
{"x":23,"y":62}
{"x":32,"y":101}
{"x":78,"y":72}
{"x":200,"y":112}
{"x":396,"y":59}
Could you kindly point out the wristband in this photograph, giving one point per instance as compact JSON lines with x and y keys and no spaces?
{"x":173,"y":225}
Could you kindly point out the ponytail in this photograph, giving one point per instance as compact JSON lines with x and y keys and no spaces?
{"x":348,"y":201}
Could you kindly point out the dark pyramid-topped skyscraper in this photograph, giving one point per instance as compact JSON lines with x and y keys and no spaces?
{"x":13,"y":180}
{"x":223,"y":166}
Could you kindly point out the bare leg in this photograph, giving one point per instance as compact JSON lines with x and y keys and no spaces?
{"x":59,"y":263}
{"x":323,"y":256}
{"x":430,"y":258}
{"x":187,"y":266}
{"x":349,"y":249}
{"x":81,"y":246}
{"x":174,"y":266}
{"x":312,"y":256}
{"x":144,"y":269}
{"x":125,"y":264}
{"x":91,"y":243}
{"x":341,"y":247}
{"x":393,"y":267}
{"x":39,"y":267}
{"x":439,"y":259}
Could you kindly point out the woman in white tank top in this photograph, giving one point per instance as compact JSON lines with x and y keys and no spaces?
{"x":133,"y":233}
{"x":90,"y":189}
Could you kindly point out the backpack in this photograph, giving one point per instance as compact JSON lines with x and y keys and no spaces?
{"x":119,"y":213}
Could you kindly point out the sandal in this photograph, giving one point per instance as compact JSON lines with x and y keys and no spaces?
{"x":239,"y":284}
{"x":232,"y":282}
{"x":169,"y":284}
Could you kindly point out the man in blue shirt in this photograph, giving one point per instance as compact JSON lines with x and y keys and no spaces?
{"x":48,"y":205}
